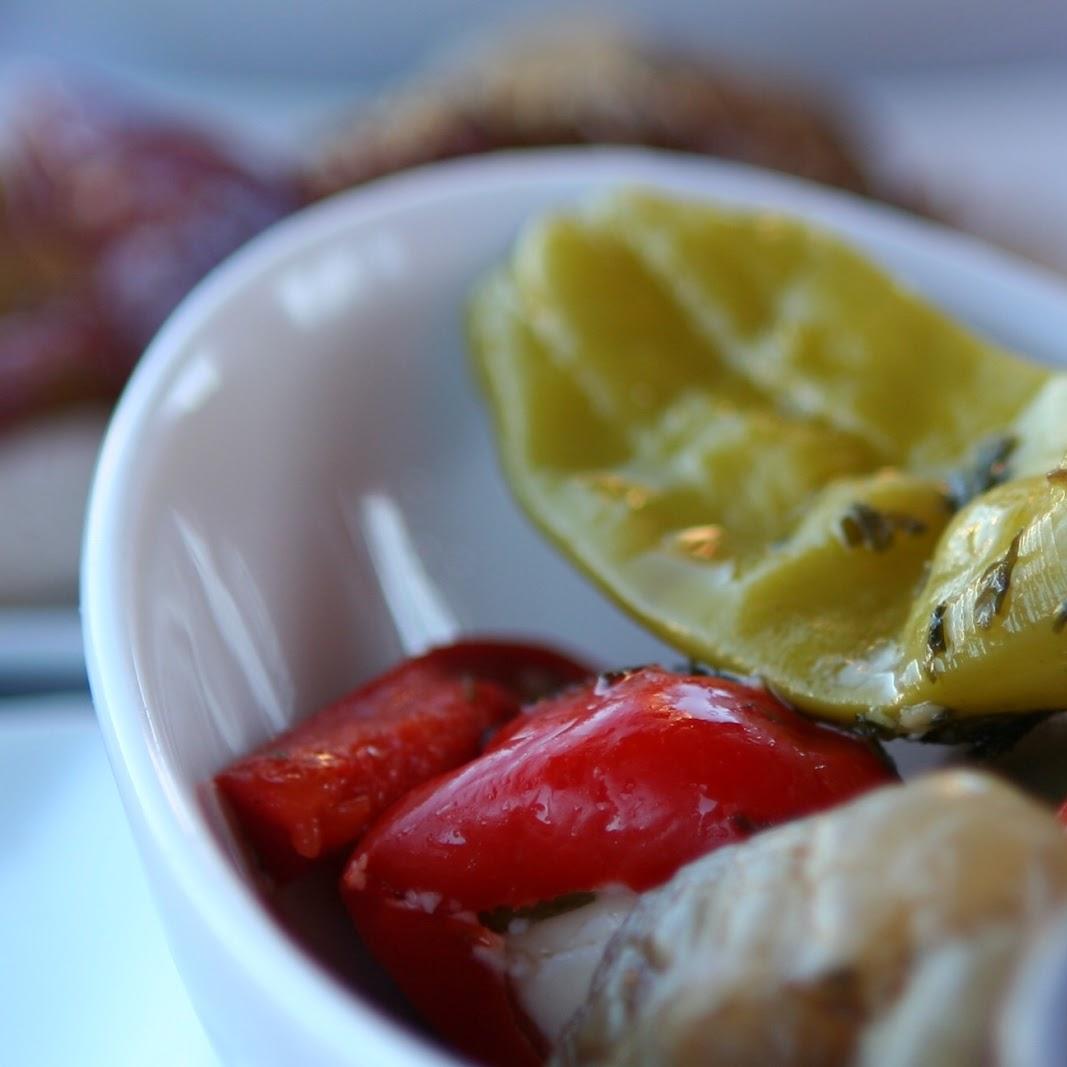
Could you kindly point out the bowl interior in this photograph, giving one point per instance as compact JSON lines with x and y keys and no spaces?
{"x":299,"y":486}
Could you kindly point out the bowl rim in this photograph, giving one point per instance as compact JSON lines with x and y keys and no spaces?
{"x":191,"y":862}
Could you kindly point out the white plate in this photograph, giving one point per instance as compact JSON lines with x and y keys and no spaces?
{"x":86,"y":976}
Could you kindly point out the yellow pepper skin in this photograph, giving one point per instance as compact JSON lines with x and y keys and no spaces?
{"x":782,"y":462}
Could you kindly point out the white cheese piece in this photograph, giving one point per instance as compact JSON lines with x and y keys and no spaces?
{"x":551,"y":962}
{"x":884,"y":932}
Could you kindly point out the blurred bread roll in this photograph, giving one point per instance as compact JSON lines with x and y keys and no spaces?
{"x":590,"y":85}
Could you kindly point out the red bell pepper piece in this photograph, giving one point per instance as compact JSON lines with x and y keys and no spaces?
{"x":618,"y":781}
{"x":313,"y":791}
{"x":1061,"y":813}
{"x":451,"y":967}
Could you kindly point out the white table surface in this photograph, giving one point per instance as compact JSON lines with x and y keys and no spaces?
{"x":86,"y":977}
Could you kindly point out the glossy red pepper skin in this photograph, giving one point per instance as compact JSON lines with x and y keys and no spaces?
{"x":444,"y":965}
{"x":1061,"y":813}
{"x":313,"y":791}
{"x":613,"y":782}
{"x":620,"y":780}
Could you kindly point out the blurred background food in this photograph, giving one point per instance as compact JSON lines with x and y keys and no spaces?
{"x":139,"y":145}
{"x":590,"y":84}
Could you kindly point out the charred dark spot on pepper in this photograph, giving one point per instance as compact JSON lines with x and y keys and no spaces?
{"x":935,"y":636}
{"x":535,"y":684}
{"x":936,"y":640}
{"x":500,"y":919}
{"x":988,"y":468}
{"x":989,"y":736}
{"x":607,"y":679}
{"x":868,"y":729}
{"x":706,"y":670}
{"x":993,"y":586}
{"x":865,"y":527}
{"x":982,"y":735}
{"x":743,"y":824}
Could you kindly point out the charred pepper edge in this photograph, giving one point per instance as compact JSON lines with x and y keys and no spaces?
{"x":500,"y":919}
{"x":936,"y":640}
{"x":994,"y":584}
{"x":980,"y":736}
{"x":864,"y":526}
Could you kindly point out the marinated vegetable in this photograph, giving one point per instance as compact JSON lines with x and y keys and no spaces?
{"x":884,"y":933}
{"x":782,"y":462}
{"x":314,"y":790}
{"x":610,"y":786}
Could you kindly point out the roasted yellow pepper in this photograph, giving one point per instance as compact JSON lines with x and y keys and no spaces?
{"x":782,"y":462}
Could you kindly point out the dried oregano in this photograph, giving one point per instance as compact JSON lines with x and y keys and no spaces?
{"x":865,"y":527}
{"x":993,"y":586}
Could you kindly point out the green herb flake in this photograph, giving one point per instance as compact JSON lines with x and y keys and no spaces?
{"x":993,"y":586}
{"x":936,"y":640}
{"x":500,"y":919}
{"x":988,"y":467}
{"x":865,"y":527}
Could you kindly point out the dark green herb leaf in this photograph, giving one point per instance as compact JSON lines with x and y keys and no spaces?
{"x":993,"y":586}
{"x":988,"y":467}
{"x":936,"y":641}
{"x":863,"y":526}
{"x":706,"y":670}
{"x":867,"y":527}
{"x":499,"y":919}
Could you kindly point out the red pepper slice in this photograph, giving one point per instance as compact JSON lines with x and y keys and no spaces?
{"x":314,"y":791}
{"x":1061,"y":813}
{"x":449,"y":967}
{"x":620,"y":780}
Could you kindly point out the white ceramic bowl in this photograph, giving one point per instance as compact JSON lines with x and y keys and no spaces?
{"x":299,"y":485}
